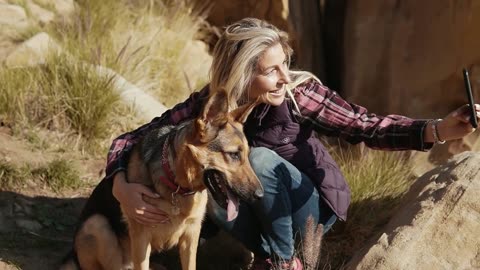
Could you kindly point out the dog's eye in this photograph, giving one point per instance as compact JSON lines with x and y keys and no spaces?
{"x":234,"y":155}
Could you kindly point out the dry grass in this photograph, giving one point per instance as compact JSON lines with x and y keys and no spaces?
{"x":378,"y":180}
{"x":60,"y":95}
{"x":145,"y":41}
{"x":311,"y":244}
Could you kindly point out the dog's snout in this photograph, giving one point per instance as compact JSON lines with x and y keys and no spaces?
{"x":259,"y":193}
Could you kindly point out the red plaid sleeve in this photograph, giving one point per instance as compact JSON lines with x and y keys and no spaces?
{"x":331,"y":115}
{"x":121,"y":146}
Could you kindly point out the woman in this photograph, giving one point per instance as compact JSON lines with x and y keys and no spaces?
{"x":250,"y":60}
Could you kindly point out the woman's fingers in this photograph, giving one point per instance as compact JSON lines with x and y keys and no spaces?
{"x":148,"y":192}
{"x":462,"y":114}
{"x":151,"y":210}
{"x":148,"y":218}
{"x":137,"y":208}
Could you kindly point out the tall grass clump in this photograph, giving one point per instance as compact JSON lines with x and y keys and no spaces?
{"x":378,"y":180}
{"x":84,"y":97}
{"x":14,"y":89}
{"x":60,"y":95}
{"x":144,"y":41}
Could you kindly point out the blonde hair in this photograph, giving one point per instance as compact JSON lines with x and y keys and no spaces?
{"x":236,"y":55}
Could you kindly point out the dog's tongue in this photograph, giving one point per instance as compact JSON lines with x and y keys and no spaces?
{"x":232,"y":207}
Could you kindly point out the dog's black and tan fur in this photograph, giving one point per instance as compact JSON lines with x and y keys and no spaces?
{"x":208,"y":152}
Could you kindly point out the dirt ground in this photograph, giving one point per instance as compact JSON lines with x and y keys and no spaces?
{"x":37,"y":224}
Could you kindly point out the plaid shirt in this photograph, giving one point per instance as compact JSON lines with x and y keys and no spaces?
{"x":318,"y":106}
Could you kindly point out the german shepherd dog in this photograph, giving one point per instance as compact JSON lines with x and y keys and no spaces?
{"x":180,"y":163}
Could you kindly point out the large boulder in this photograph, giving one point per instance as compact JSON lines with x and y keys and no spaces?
{"x":41,"y":15}
{"x":224,"y":12}
{"x":32,"y":52}
{"x":12,"y":16}
{"x":145,"y":105}
{"x":405,"y":57}
{"x":409,"y":54}
{"x":62,"y":7}
{"x":437,"y":226}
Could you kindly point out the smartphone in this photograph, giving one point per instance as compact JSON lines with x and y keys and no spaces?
{"x":468,"y":88}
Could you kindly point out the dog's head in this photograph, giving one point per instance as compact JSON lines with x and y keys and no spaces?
{"x":218,"y":153}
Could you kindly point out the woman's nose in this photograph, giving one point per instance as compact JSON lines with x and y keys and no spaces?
{"x":284,"y":75}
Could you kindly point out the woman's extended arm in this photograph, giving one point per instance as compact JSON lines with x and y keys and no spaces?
{"x":331,"y":115}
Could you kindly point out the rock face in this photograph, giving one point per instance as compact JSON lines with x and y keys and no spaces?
{"x":226,"y":12}
{"x":438,"y":226}
{"x":302,"y":19}
{"x":409,"y":54}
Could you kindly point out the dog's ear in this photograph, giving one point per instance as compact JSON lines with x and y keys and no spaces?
{"x":241,"y":113}
{"x":214,"y":115}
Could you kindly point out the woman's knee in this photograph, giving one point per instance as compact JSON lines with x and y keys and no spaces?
{"x":260,"y":155}
{"x":264,"y":161}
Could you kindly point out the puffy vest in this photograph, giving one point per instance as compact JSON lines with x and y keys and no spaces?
{"x":276,"y":128}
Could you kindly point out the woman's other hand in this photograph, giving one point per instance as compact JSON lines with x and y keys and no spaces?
{"x":456,"y":124}
{"x":130,"y":197}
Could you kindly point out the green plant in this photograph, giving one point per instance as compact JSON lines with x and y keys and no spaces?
{"x":58,"y":174}
{"x":11,"y":176}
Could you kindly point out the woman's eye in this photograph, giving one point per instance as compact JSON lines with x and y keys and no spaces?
{"x":234,"y":155}
{"x":269,"y":72}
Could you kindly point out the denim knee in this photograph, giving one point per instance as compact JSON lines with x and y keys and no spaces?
{"x":264,"y":161}
{"x":261,"y":158}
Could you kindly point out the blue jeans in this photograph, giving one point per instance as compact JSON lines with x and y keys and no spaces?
{"x":269,"y":225}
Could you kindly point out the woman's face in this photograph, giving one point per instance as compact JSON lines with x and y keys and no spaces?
{"x":271,"y":77}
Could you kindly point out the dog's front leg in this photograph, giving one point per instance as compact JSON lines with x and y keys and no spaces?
{"x":188,"y":245}
{"x":140,"y":249}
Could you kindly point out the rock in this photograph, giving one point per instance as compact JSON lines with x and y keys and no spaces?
{"x":32,"y":52}
{"x":41,"y":15}
{"x":6,"y":220}
{"x":393,"y":51}
{"x":145,"y":105}
{"x":12,"y":15}
{"x":28,"y":224}
{"x":63,"y":7}
{"x":196,"y":55}
{"x":307,"y":34}
{"x":437,"y":226}
{"x":7,"y":266}
{"x":224,"y":12}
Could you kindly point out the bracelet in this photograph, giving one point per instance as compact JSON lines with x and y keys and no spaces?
{"x":436,"y":137}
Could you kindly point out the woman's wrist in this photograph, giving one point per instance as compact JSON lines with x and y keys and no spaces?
{"x":435,"y":131}
{"x":427,"y":133}
{"x":119,"y":183}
